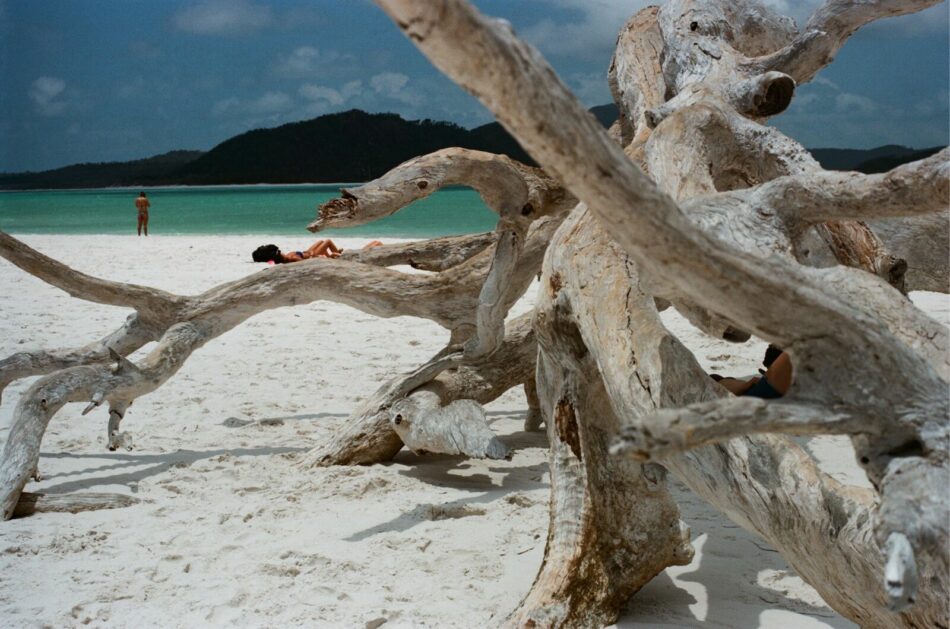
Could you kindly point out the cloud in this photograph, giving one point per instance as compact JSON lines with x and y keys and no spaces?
{"x":394,"y":85}
{"x":590,"y":88}
{"x":48,"y":94}
{"x":267,"y":104}
{"x":310,"y":62}
{"x":322,"y":99}
{"x":223,"y":17}
{"x":318,"y":93}
{"x":854,"y":102}
{"x":825,"y":93}
{"x":592,"y":34}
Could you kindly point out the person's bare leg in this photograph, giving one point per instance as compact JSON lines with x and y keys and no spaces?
{"x":145,"y":224}
{"x":373,"y":243}
{"x":139,"y":228}
{"x":319,"y":245}
{"x":319,"y":249}
{"x":736,"y":386}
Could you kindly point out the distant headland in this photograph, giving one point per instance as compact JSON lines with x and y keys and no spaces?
{"x":348,"y":146}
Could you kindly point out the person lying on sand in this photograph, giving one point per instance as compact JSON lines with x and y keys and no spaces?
{"x":774,"y":383}
{"x":319,"y":249}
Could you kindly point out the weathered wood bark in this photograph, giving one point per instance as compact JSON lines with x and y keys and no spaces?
{"x":448,"y":298}
{"x":519,"y":194}
{"x":844,"y":329}
{"x":614,"y":526}
{"x":70,"y":503}
{"x":688,"y":200}
{"x":368,"y":435}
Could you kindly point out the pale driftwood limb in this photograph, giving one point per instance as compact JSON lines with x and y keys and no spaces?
{"x":78,"y":384}
{"x":822,"y":315}
{"x":534,"y":418}
{"x":494,"y":299}
{"x":920,"y":187}
{"x":368,"y":437}
{"x":827,"y":31}
{"x":766,"y":483}
{"x":76,"y":284}
{"x":30,"y":503}
{"x":508,"y":187}
{"x":670,"y":431}
{"x":133,"y":334}
{"x":448,"y":298}
{"x":923,"y":242}
{"x":437,"y":254}
{"x":636,"y":76}
{"x":519,"y":195}
{"x":614,"y":525}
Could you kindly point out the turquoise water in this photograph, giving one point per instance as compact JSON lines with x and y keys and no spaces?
{"x":230,"y":210}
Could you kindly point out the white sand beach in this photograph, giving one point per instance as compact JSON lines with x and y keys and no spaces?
{"x":231,"y":531}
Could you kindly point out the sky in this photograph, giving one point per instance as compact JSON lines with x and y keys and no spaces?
{"x":107,"y":80}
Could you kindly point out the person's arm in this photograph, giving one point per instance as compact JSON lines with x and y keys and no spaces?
{"x":779,"y":374}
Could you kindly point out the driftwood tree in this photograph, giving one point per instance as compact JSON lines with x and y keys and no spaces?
{"x":689,"y":201}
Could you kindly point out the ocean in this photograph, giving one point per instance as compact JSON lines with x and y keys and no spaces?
{"x":255,"y":209}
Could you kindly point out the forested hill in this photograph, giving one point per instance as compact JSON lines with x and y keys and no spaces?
{"x":150,"y":171}
{"x":344,"y":147}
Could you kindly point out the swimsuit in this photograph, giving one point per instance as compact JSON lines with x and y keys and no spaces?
{"x":762,"y":389}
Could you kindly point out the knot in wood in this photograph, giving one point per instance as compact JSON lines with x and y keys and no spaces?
{"x":565,"y":421}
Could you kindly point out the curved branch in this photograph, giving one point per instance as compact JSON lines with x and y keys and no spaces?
{"x":508,"y":187}
{"x":670,"y":431}
{"x":368,"y":435}
{"x":924,"y":243}
{"x":133,"y":334}
{"x":151,"y":302}
{"x":827,"y":31}
{"x":844,"y":328}
{"x":920,"y":187}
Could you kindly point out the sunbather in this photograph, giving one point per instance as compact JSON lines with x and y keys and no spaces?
{"x":774,"y":383}
{"x":320,"y":249}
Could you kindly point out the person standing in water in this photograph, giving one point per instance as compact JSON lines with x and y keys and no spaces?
{"x":142,"y":204}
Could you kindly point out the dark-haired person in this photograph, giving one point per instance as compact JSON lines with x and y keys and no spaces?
{"x":142,"y":204}
{"x":774,"y":383}
{"x":319,"y":249}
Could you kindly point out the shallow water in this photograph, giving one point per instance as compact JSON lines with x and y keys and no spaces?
{"x":253,"y":209}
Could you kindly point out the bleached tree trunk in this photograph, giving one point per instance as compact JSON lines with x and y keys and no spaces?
{"x":819,"y":316}
{"x":470,"y":298}
{"x":689,"y":200}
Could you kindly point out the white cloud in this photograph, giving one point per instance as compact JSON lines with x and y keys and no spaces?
{"x":48,"y":95}
{"x":394,"y":85}
{"x":269,"y":103}
{"x":310,"y":62}
{"x":328,"y":95}
{"x":591,"y":89}
{"x":593,"y":34}
{"x":855,"y":103}
{"x":223,"y":17}
{"x":799,"y":10}
{"x":322,"y":99}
